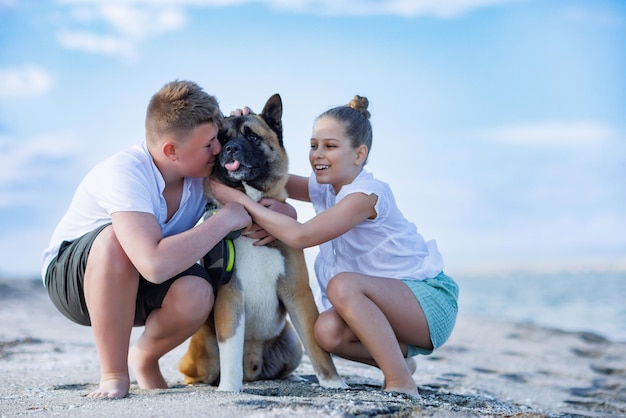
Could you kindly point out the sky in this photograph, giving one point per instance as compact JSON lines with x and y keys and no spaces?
{"x":499,"y":124}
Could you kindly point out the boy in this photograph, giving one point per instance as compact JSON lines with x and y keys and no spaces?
{"x":125,"y":252}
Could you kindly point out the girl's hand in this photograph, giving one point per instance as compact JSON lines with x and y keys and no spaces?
{"x":280,"y":207}
{"x":224,"y":193}
{"x":255,"y":231}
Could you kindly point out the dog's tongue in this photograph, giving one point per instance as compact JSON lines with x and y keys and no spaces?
{"x":232,"y":166}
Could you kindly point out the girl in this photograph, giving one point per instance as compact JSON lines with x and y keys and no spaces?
{"x":385,"y":295}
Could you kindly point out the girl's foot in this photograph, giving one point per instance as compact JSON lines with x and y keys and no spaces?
{"x":411,"y":389}
{"x":148,"y":373}
{"x":112,"y":386}
{"x":411,"y":364}
{"x":412,"y":392}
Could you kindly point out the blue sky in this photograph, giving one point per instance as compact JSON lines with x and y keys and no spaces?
{"x":500,"y":125}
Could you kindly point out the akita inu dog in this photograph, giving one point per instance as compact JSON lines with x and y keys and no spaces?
{"x":248,"y":336}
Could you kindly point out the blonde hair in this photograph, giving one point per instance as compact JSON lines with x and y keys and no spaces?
{"x":356,"y":119}
{"x":178,"y":108}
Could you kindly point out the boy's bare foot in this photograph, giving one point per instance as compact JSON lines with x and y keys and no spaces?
{"x":147,"y":372}
{"x":112,"y":386}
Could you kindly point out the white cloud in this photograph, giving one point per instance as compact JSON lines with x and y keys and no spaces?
{"x":28,"y":81}
{"x":101,"y":44}
{"x":562,"y":134}
{"x":408,"y":8}
{"x":19,"y":158}
{"x":126,"y":24}
{"x":134,"y":21}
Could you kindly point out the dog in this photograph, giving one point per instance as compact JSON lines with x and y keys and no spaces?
{"x":248,"y":336}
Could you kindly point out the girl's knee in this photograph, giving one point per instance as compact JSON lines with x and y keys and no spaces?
{"x":319,"y":332}
{"x":340,"y":288}
{"x":326,"y":332}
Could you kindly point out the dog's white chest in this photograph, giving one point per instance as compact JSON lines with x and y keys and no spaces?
{"x":258,"y":269}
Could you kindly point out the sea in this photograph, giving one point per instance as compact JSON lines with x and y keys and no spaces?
{"x":571,"y":301}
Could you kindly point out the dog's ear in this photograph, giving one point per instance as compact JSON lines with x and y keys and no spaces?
{"x":272,"y":114}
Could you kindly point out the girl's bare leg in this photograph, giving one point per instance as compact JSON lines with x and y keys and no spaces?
{"x":111,"y":284}
{"x":185,"y":308}
{"x":372,"y":322}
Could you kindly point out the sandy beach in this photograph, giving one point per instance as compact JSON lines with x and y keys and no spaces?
{"x":487,"y":368}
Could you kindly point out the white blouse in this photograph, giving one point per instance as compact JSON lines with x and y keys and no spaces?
{"x":387,"y":246}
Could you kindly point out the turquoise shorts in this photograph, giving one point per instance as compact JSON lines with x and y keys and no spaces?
{"x":438,"y":297}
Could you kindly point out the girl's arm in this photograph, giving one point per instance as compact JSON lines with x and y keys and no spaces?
{"x":256,"y":231}
{"x":349,"y":212}
{"x":298,"y":188}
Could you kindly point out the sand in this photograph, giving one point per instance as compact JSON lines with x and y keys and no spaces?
{"x":487,"y":368}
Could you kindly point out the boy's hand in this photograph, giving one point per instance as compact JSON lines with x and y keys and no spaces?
{"x":242,"y":112}
{"x":237,"y":215}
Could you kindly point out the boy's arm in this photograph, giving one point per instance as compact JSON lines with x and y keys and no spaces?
{"x":298,"y":188}
{"x":157,"y":258}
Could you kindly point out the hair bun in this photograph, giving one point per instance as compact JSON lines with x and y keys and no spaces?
{"x":360,"y":104}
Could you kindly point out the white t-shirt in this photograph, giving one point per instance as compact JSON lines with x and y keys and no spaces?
{"x":387,"y":246}
{"x":128,"y":181}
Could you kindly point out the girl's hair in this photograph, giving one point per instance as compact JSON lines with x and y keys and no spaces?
{"x":179,"y":107}
{"x":355,"y":118}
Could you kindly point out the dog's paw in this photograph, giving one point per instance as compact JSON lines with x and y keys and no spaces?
{"x":296,"y":379}
{"x":333,"y":384}
{"x":192,"y":380}
{"x":225,"y":387}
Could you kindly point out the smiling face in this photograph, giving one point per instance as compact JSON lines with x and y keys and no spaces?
{"x":333,"y":159}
